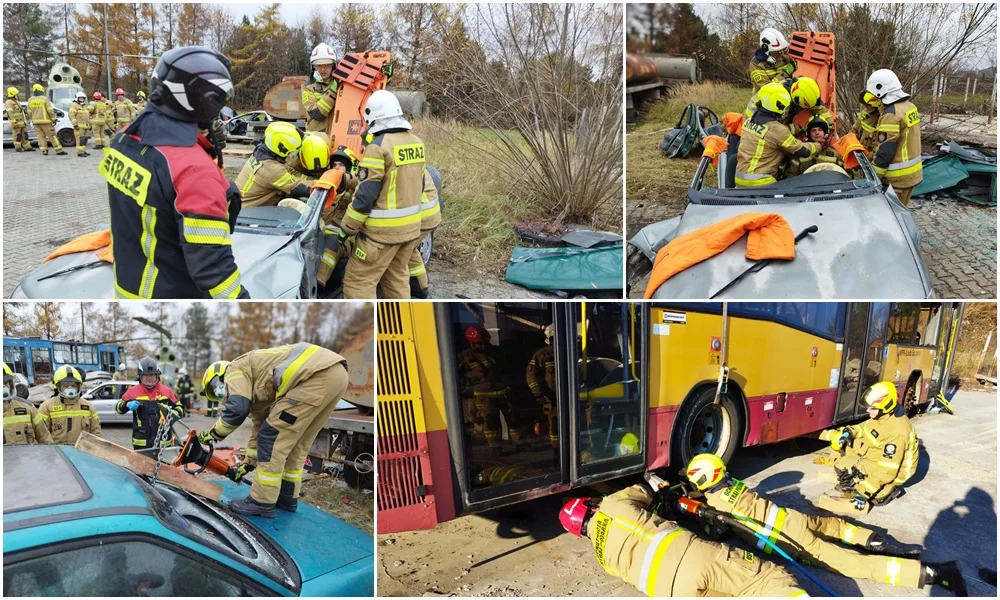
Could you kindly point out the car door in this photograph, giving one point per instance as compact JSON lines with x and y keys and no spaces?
{"x":121,"y":566}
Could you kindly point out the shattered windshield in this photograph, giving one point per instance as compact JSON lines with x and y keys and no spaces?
{"x":205,"y":522}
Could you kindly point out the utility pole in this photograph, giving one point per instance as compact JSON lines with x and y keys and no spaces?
{"x":107,"y":49}
{"x":83,"y":324}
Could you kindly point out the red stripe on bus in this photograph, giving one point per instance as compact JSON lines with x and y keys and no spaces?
{"x":400,"y":505}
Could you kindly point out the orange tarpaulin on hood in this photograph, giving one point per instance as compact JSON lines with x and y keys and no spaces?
{"x":846,"y":146}
{"x":86,"y":243}
{"x":733,"y":122}
{"x":714,"y":146}
{"x":770,"y":237}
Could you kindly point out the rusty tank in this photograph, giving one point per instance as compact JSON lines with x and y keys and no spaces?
{"x":284,"y":100}
{"x":357,"y":345}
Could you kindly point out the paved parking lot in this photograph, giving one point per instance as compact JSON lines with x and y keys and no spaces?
{"x":960,"y":246}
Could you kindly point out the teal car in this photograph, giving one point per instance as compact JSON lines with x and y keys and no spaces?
{"x":77,"y":525}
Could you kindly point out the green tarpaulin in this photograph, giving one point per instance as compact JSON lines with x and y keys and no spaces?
{"x":963,"y":173}
{"x":567,"y":269}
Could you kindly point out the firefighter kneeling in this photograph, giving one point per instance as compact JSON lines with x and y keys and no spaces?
{"x":814,"y":539}
{"x":288,"y":393}
{"x":878,"y":455}
{"x":660,"y":558}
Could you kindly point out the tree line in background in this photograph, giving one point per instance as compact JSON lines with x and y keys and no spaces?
{"x":917,"y":41}
{"x":202,"y":333}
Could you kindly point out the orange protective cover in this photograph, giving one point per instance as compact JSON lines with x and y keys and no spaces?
{"x":714,"y":146}
{"x":846,"y":146}
{"x":770,"y":237}
{"x":85,"y":243}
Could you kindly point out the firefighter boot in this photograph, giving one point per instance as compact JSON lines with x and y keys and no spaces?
{"x":879,"y":545}
{"x":249,"y":506}
{"x":286,"y":498}
{"x":947,"y":575}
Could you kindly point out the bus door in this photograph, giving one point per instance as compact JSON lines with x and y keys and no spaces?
{"x":41,"y":365}
{"x":950,"y":319}
{"x":505,"y":399}
{"x":864,"y":352}
{"x":606,"y":416}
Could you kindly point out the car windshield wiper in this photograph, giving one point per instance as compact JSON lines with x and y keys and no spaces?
{"x":89,"y":265}
{"x":757,"y":266}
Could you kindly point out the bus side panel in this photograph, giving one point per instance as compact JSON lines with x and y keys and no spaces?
{"x":661,"y":422}
{"x":414,"y":466}
{"x":901,"y":360}
{"x":804,"y":412}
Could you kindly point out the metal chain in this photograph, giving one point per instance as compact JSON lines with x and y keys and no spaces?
{"x":161,"y":436}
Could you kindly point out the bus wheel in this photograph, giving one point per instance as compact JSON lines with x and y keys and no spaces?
{"x":910,"y":399}
{"x":705,"y":427}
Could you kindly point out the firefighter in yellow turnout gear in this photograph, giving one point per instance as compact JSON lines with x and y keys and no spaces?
{"x":124,"y":110}
{"x":20,"y":419}
{"x":481,"y":397}
{"x":879,"y":455}
{"x":43,"y":114}
{"x":266,"y":178}
{"x":99,"y":110}
{"x":430,"y":219}
{"x":80,"y":117}
{"x":385,"y":214}
{"x":541,"y":378}
{"x":660,"y":558}
{"x":320,"y":95}
{"x":765,"y":140}
{"x":864,"y":126}
{"x":67,"y":414}
{"x":897,"y":153}
{"x":18,"y":120}
{"x":770,"y":62}
{"x":288,"y":393}
{"x":814,"y":539}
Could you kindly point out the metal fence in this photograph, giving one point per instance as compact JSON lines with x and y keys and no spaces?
{"x":957,"y":94}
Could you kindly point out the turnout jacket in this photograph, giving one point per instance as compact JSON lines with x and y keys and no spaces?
{"x":67,"y":419}
{"x":172,"y":213}
{"x":15,"y":112}
{"x":387,"y":205}
{"x":318,"y":99}
{"x":265,"y":179}
{"x":897,"y":155}
{"x":21,"y":424}
{"x":886,"y":451}
{"x":764,"y":142}
{"x":154,"y":404}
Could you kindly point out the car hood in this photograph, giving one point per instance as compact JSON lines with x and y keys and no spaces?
{"x":333,"y":558}
{"x":270,"y":267}
{"x":865,"y":247}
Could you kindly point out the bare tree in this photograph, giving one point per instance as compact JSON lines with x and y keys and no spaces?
{"x":545,"y":81}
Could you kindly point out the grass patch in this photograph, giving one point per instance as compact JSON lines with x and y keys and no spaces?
{"x":656,"y":186}
{"x":335,"y":497}
{"x":477,"y":211}
{"x":978,"y":321}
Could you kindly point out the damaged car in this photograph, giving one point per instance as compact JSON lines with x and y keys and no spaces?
{"x":854,"y":239}
{"x":277,"y":248}
{"x":88,"y":527}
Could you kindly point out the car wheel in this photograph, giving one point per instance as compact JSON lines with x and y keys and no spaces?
{"x":66,"y":137}
{"x":426,"y":247}
{"x":705,"y":427}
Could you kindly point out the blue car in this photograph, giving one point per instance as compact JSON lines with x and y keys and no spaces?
{"x":77,"y":525}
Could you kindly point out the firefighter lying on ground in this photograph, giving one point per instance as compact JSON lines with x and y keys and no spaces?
{"x":660,"y":558}
{"x":878,"y":455}
{"x":814,"y":539}
{"x":66,"y":415}
{"x":288,"y":393}
{"x":152,"y":404}
{"x":21,"y":424}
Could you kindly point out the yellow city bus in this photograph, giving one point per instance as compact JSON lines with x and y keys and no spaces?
{"x":637,"y":386}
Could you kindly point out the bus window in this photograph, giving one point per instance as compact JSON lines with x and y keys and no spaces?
{"x":903,"y":323}
{"x":609,"y":407}
{"x":929,"y":325}
{"x":86,"y":354}
{"x":14,"y":357}
{"x":506,"y":379}
{"x":63,"y":353}
{"x":41,"y":365}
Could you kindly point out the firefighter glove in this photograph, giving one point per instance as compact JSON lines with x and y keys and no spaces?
{"x":133,"y":405}
{"x":859,"y":502}
{"x":242,"y":470}
{"x":205,"y":436}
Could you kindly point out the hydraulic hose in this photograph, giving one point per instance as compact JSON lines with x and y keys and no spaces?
{"x":701,"y":510}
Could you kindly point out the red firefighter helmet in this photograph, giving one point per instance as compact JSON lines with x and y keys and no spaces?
{"x":97,"y":96}
{"x":573,"y":515}
{"x":475,"y":335}
{"x":119,"y":92}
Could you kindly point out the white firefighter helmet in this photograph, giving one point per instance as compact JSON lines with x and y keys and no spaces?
{"x":382,"y":111}
{"x":322,"y":54}
{"x":772,"y":40}
{"x":884,"y":85}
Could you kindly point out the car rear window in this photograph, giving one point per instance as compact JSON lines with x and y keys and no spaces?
{"x":24,"y":490}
